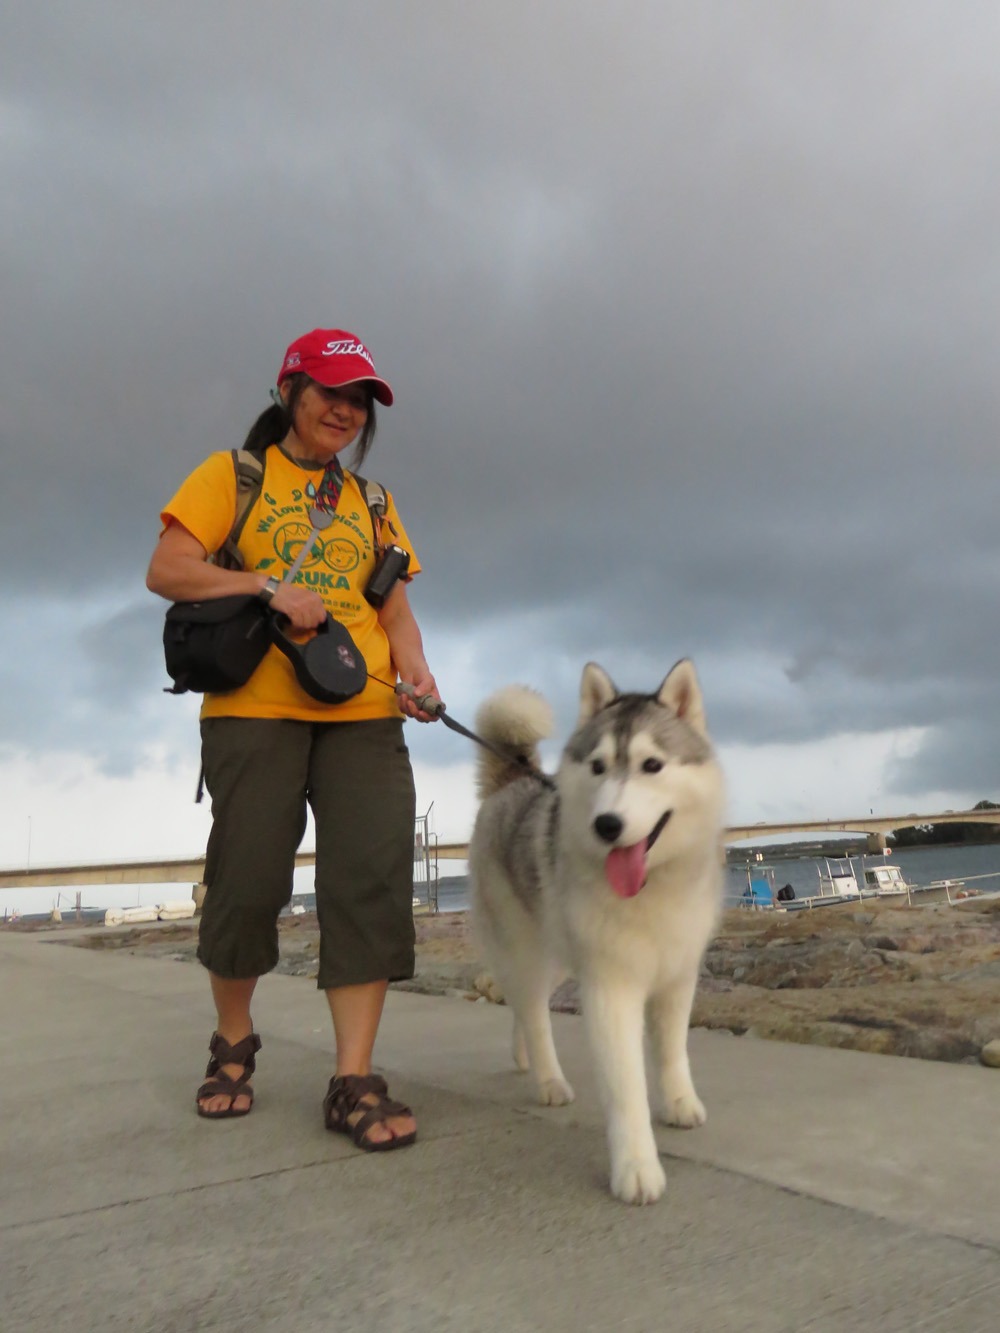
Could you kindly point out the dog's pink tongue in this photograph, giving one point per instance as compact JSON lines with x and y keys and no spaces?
{"x":625,"y":868}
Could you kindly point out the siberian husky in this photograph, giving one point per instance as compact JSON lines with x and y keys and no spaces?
{"x":610,"y":873}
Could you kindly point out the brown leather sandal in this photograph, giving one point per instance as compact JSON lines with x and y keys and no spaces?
{"x":222,"y":1085}
{"x":345,"y":1096}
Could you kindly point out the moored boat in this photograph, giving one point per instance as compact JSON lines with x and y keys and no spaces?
{"x":855,"y":880}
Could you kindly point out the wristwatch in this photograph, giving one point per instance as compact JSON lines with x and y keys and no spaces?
{"x":266,"y":593}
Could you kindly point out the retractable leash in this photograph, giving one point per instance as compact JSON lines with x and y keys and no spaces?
{"x":439,"y":709}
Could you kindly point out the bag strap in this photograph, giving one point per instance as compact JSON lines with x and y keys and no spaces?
{"x":377,"y":502}
{"x":249,"y":469}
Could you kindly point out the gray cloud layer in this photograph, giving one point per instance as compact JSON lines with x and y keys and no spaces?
{"x":691,"y":313}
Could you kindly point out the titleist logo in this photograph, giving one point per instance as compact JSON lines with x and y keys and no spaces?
{"x":348,"y":347}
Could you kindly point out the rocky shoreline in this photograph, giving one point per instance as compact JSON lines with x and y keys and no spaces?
{"x":921,"y":982}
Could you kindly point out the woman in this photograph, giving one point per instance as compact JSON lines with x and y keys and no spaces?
{"x":268,"y":747}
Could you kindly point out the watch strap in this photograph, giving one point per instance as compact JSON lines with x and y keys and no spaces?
{"x":266,"y":593}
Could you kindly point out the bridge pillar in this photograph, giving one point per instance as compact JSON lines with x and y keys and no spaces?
{"x":876,"y":842}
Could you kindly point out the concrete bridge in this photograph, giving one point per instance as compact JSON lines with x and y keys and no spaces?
{"x":189,"y":870}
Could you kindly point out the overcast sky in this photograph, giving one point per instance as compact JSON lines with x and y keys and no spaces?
{"x":692,"y":313}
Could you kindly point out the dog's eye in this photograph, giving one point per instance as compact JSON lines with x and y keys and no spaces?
{"x":651,"y":765}
{"x":597,"y":767}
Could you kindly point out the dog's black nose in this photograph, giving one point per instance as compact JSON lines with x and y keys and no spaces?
{"x":608,"y":827}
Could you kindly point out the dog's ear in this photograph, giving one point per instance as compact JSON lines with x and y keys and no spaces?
{"x":597,"y":689}
{"x":681,"y":693}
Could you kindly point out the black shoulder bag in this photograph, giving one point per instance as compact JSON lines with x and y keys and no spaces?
{"x":217,"y":644}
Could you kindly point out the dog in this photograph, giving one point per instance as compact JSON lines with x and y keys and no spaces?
{"x":612,"y":873}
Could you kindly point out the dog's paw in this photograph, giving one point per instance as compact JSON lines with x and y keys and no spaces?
{"x":684,"y":1112}
{"x":485,"y":985}
{"x":555,"y":1092}
{"x":638,"y":1180}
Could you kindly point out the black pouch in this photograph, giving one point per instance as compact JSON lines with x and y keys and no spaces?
{"x":215,"y":645}
{"x":329,"y":666}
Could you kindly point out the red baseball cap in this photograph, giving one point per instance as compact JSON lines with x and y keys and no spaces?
{"x":334,"y":357}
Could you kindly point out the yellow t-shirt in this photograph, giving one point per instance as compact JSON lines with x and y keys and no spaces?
{"x":338,"y":568}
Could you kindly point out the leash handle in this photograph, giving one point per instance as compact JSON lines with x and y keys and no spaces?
{"x":426,"y":702}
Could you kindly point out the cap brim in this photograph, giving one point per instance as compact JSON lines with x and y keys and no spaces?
{"x":380,"y":389}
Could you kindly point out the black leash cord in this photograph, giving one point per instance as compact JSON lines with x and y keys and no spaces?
{"x":437,"y":708}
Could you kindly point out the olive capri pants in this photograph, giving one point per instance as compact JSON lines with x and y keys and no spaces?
{"x":357,"y":779}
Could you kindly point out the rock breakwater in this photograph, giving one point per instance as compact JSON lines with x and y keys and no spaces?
{"x":921,"y":982}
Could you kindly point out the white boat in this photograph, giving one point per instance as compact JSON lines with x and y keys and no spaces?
{"x":885,"y":881}
{"x":839,"y":880}
{"x":838,"y":883}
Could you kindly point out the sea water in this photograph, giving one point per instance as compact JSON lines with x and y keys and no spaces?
{"x":919,"y":866}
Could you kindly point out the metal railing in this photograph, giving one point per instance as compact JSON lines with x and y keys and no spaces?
{"x":425,"y":864}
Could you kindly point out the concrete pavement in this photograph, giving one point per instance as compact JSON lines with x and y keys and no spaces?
{"x":830,"y":1190}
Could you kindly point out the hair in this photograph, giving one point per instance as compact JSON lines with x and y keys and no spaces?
{"x":276,"y":421}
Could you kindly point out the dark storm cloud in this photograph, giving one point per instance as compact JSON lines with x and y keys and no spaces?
{"x":121,"y":651}
{"x":690,"y":312}
{"x":77,"y":677}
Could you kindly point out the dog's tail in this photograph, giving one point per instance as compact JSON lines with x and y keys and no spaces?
{"x":516,"y":718}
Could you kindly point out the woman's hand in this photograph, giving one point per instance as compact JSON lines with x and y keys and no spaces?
{"x":407,"y":650}
{"x":303,"y":607}
{"x":421,"y":688}
{"x":181,"y":572}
